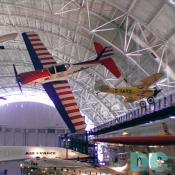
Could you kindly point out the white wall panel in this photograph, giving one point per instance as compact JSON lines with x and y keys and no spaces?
{"x":41,"y":139}
{"x":51,"y":139}
{"x":29,"y":137}
{"x":13,"y":168}
{"x":19,"y":139}
{"x":32,"y":139}
{"x":1,"y":138}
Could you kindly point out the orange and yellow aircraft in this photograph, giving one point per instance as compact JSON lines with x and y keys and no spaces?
{"x":135,"y":92}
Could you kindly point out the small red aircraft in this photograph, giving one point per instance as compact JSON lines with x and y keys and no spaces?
{"x":54,"y":77}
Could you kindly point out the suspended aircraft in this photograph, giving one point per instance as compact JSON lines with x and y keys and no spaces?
{"x":35,"y":157}
{"x":4,"y":38}
{"x":165,"y":138}
{"x":12,"y":153}
{"x":48,"y":163}
{"x":54,"y":77}
{"x":135,"y":92}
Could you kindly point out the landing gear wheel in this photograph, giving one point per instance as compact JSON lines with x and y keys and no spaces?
{"x":150,"y":100}
{"x":142,"y":104}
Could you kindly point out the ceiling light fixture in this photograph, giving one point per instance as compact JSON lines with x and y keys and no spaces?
{"x":172,"y":117}
{"x":172,"y":2}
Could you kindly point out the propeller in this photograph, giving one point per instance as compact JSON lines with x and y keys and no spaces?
{"x":156,"y":91}
{"x":17,"y":78}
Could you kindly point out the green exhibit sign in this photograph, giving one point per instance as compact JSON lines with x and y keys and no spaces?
{"x":157,"y":161}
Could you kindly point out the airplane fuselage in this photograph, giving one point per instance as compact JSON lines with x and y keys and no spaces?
{"x":53,"y":73}
{"x":140,"y":140}
{"x":133,"y":93}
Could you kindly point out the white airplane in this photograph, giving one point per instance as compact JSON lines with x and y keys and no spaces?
{"x":37,"y":158}
{"x":10,"y":153}
{"x":58,"y":163}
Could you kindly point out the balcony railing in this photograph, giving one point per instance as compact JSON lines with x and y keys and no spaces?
{"x":139,"y":112}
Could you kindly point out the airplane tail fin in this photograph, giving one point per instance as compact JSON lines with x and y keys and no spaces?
{"x":164,"y":129}
{"x":104,"y":57}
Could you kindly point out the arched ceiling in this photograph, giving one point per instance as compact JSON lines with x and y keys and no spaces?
{"x":141,"y":32}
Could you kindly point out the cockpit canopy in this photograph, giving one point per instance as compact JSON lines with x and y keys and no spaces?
{"x":58,"y":68}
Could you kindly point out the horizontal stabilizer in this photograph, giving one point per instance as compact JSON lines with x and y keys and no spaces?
{"x":104,"y":57}
{"x":98,"y":47}
{"x":111,"y":66}
{"x":103,"y":52}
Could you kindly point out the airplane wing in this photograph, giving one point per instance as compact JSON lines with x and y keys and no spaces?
{"x":50,"y":162}
{"x":8,"y":37}
{"x":148,"y":81}
{"x":59,"y":91}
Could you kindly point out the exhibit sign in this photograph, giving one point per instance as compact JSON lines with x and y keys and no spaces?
{"x":156,"y":161}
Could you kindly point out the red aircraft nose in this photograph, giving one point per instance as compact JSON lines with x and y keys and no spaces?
{"x":33,"y":76}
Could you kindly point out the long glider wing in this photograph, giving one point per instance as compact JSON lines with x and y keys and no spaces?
{"x":59,"y":91}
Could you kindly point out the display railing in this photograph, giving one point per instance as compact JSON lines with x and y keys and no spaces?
{"x":159,"y":104}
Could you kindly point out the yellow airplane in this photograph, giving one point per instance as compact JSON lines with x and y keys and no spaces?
{"x":135,"y":92}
